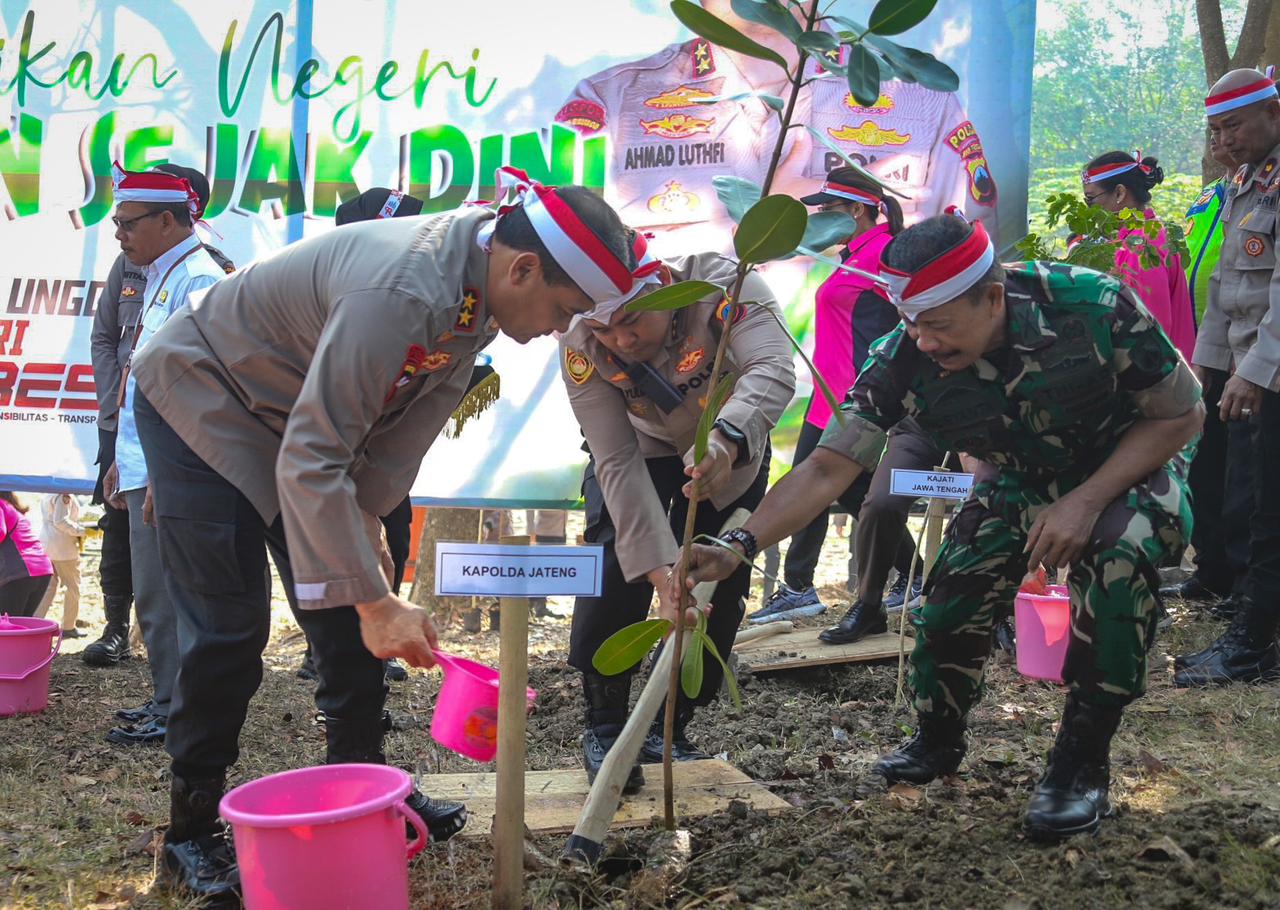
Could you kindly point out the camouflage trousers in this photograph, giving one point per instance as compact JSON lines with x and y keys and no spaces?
{"x":1113,"y":587}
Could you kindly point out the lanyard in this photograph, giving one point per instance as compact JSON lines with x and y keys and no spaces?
{"x":137,"y":326}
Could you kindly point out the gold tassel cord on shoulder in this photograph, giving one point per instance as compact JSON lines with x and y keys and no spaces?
{"x":479,"y":398}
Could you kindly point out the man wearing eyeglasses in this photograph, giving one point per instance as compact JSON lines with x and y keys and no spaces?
{"x":154,"y":221}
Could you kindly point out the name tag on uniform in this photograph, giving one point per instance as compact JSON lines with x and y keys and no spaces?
{"x":935,"y":484}
{"x":497,"y":570}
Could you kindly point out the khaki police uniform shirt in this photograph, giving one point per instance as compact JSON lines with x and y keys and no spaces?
{"x":665,"y":147}
{"x":623,"y":427}
{"x":119,"y":306}
{"x":315,"y":380}
{"x":1241,"y":324}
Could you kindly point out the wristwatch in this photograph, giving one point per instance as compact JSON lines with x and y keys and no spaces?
{"x":744,"y":537}
{"x":738,"y":438}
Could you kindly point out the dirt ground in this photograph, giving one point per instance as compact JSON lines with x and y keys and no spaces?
{"x":1196,"y":781}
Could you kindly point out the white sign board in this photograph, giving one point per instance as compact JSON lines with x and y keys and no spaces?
{"x":494,"y":570}
{"x":937,"y":484}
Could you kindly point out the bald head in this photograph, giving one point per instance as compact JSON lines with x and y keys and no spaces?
{"x":1247,"y":133}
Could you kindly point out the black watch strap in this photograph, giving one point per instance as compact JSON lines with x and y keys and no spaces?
{"x":738,"y":438}
{"x":744,"y":537}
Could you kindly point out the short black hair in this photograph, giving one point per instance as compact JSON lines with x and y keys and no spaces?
{"x":925,"y":241}
{"x":515,"y":230}
{"x":1137,"y":181}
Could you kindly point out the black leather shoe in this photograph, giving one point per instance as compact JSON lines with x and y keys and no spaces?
{"x":307,"y":669}
{"x":140,"y":713}
{"x":1005,"y":637}
{"x":937,"y":748}
{"x":859,"y":621}
{"x":1072,"y":796}
{"x":681,"y":748}
{"x":113,"y":646}
{"x":205,"y":866}
{"x":1246,"y":652}
{"x":1183,"y":661}
{"x":443,"y":818}
{"x":151,"y":730}
{"x":596,"y":743}
{"x":394,"y":671}
{"x":1192,"y":589}
{"x":1228,"y":607}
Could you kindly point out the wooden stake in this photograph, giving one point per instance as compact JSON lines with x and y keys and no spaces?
{"x":508,"y":820}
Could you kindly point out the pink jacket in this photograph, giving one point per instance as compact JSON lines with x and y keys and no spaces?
{"x":21,"y":555}
{"x":1163,"y":289}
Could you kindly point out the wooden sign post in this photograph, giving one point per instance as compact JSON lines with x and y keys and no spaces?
{"x":514,"y":571}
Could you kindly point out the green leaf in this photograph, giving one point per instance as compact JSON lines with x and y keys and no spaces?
{"x":863,"y":75}
{"x":893,"y":17}
{"x":728,"y":674}
{"x":829,"y":143}
{"x":737,"y":193}
{"x":772,"y":101}
{"x":769,"y":13}
{"x":721,"y":33}
{"x":771,"y":228}
{"x":715,"y":401}
{"x":691,"y":666}
{"x":673,"y":296}
{"x":627,"y":647}
{"x":832,"y":402}
{"x":818,"y":43}
{"x":924,"y":68}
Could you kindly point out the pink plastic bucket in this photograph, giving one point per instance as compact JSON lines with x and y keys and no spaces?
{"x":324,"y":838}
{"x":466,"y":715}
{"x":1044,"y":629}
{"x":27,"y":647}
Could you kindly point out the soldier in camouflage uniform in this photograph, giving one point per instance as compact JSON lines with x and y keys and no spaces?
{"x":1062,"y":383}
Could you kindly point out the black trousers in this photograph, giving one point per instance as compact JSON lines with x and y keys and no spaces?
{"x":115,"y":571}
{"x":213,"y":550}
{"x":1264,"y":525}
{"x":398,"y":524}
{"x":883,"y":544}
{"x":622,"y":603}
{"x":1222,"y":494}
{"x":22,"y":596}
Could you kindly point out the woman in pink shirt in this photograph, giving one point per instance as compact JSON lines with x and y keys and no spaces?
{"x":1116,"y":181}
{"x":852,"y":313}
{"x":25,"y":570}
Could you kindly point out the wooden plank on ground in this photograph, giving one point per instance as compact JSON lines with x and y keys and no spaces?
{"x":803,"y":649}
{"x":553,"y":799}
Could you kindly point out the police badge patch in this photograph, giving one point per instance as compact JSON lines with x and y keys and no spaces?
{"x":578,"y":366}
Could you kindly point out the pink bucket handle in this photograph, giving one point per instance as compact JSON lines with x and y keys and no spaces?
{"x":413,"y":818}
{"x":19,"y":677}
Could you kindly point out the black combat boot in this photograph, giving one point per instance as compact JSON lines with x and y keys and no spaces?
{"x":198,"y":852}
{"x":113,"y":646}
{"x":681,"y":748}
{"x":352,"y":741}
{"x":1072,"y":797}
{"x":937,"y":748}
{"x":607,"y":700}
{"x":861,"y":619}
{"x":1246,"y":652}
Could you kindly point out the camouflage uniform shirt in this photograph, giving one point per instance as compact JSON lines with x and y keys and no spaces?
{"x":1084,"y":361}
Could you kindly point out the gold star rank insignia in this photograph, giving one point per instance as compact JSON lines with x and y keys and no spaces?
{"x":467,"y":311}
{"x":704,"y":63}
{"x":578,"y":366}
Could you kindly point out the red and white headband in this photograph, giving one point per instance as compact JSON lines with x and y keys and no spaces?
{"x":1260,"y":90}
{"x":852,"y":193}
{"x":1115,"y":169}
{"x":574,"y":246}
{"x":646,"y":273}
{"x":153,"y":186}
{"x":943,"y":278}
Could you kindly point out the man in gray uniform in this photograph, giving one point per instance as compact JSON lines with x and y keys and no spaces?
{"x":286,"y":410}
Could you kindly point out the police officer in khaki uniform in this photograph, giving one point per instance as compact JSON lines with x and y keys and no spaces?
{"x":288,"y":408}
{"x":1237,"y":355}
{"x":638,"y":383}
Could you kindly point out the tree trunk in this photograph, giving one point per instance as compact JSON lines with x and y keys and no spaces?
{"x":442,"y":524}
{"x":1271,"y":42}
{"x":1257,"y":45}
{"x":1213,"y":40}
{"x":1253,"y":34}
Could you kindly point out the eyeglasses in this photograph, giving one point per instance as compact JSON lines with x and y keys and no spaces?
{"x":1090,"y":199}
{"x":126,"y":224}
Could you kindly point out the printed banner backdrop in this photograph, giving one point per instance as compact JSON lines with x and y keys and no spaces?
{"x":293,"y":107}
